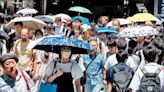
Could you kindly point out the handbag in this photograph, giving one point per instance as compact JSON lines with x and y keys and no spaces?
{"x":47,"y":87}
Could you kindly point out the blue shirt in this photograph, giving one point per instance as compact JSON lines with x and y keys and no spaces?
{"x":94,"y":70}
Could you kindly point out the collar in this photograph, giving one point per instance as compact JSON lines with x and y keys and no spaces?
{"x":152,"y":64}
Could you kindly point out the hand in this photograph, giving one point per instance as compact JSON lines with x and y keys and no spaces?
{"x":104,"y":82}
{"x":35,"y":76}
{"x":59,"y":73}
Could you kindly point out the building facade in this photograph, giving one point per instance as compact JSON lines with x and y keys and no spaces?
{"x":111,"y":8}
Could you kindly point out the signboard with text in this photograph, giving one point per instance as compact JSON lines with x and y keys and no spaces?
{"x":161,"y":9}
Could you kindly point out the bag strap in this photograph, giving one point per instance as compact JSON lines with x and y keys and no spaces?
{"x":92,"y":61}
{"x":77,"y":58}
{"x":116,"y":69}
{"x":54,"y":67}
{"x":144,"y":71}
{"x":156,"y":71}
{"x":24,"y":77}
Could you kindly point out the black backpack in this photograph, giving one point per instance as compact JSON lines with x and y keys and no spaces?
{"x":121,"y":79}
{"x":150,"y":82}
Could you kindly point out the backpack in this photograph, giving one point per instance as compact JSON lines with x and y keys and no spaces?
{"x":121,"y":79}
{"x":150,"y":82}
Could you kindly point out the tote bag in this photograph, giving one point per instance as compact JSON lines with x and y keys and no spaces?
{"x":47,"y":87}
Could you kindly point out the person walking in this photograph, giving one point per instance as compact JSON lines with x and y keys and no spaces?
{"x":14,"y":79}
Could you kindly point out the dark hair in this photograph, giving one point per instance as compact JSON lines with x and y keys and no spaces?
{"x":18,"y":23}
{"x":121,"y":45}
{"x":38,"y":31}
{"x":132,"y":44}
{"x":78,"y":19}
{"x":57,"y":19}
{"x":93,"y":30}
{"x":111,"y":43}
{"x":150,"y":53}
{"x":121,"y":55}
{"x":158,"y":42}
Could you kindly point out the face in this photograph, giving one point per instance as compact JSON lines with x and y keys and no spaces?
{"x":68,"y":22}
{"x":86,"y":34}
{"x":78,"y":23}
{"x":94,"y":45}
{"x":112,"y":49}
{"x":38,"y":35}
{"x":115,"y":25}
{"x":24,"y":35}
{"x":9,"y":66}
{"x":31,"y":33}
{"x":103,"y":35}
{"x":158,"y":28}
{"x":48,"y":30}
{"x":18,"y":27}
{"x":65,"y":52}
{"x":104,"y":21}
{"x":77,"y":31}
{"x":58,"y":23}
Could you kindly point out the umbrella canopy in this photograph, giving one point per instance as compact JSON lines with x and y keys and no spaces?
{"x":107,"y":30}
{"x":84,"y":20}
{"x":27,"y":11}
{"x":63,"y":16}
{"x":138,"y":31}
{"x":80,"y":9}
{"x":45,"y":18}
{"x":28,"y":22}
{"x":54,"y":43}
{"x":4,"y":35}
{"x":158,"y":21}
{"x":2,"y":15}
{"x":121,"y":20}
{"x":142,"y":17}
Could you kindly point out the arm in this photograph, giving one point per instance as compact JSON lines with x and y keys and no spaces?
{"x":134,"y":90}
{"x":109,"y":87}
{"x":78,"y":85}
{"x":54,"y":76}
{"x":4,"y":87}
{"x":104,"y":76}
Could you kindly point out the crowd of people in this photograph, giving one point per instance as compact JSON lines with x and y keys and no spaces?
{"x":116,"y":64}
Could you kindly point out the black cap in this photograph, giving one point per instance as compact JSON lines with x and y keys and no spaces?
{"x":8,"y":56}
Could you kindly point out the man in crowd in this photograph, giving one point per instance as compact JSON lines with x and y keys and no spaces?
{"x":95,"y":71}
{"x":59,"y":28}
{"x":154,"y":84}
{"x":18,"y":26}
{"x":116,"y":24}
{"x":13,"y":78}
{"x":25,"y":56}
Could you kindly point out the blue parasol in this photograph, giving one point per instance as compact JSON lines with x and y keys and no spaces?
{"x":54,"y":43}
{"x":109,"y":31}
{"x":83,"y":19}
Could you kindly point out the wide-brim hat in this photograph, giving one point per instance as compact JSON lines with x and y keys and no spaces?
{"x":8,"y":56}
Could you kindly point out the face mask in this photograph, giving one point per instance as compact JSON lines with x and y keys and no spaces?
{"x":115,"y":27}
{"x":66,"y":54}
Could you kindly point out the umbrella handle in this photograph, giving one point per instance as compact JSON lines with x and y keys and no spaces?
{"x":78,"y":13}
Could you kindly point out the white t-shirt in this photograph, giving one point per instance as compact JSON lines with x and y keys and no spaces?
{"x":66,"y":67}
{"x":111,"y":61}
{"x":151,"y":68}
